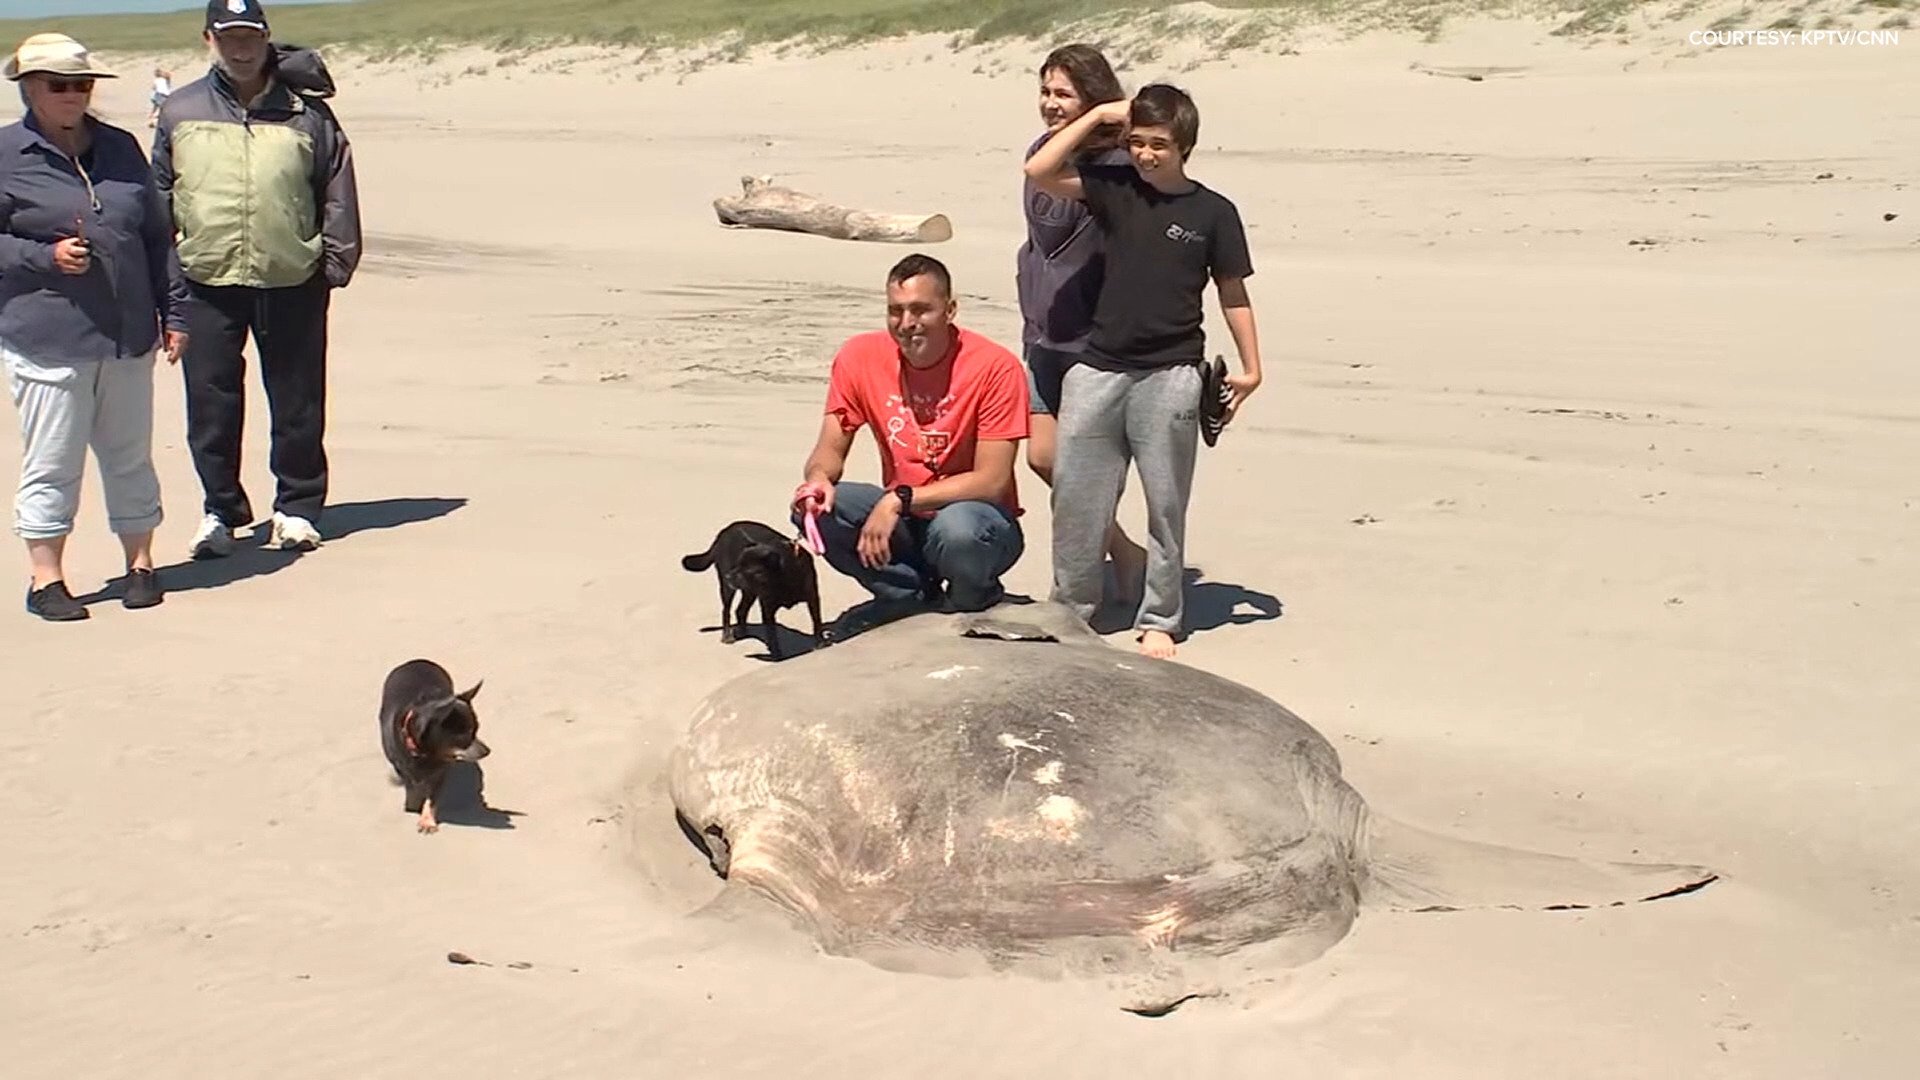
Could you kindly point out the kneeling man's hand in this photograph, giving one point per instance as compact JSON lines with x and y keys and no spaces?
{"x":876,"y":536}
{"x":820,"y":496}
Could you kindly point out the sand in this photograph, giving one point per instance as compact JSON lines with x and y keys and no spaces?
{"x":1577,"y":543}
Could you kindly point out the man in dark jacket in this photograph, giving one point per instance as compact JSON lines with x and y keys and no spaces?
{"x":259,"y":176}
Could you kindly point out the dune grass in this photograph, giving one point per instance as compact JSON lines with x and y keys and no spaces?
{"x":402,"y":26}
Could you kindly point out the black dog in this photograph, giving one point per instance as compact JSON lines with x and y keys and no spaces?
{"x":424,"y":728}
{"x":762,"y":565}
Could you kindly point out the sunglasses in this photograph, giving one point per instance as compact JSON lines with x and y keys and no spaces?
{"x":70,"y":86}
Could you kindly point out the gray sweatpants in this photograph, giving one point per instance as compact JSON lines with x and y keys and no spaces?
{"x":65,"y":408}
{"x":1108,"y":418}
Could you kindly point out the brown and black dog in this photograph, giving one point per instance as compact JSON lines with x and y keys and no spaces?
{"x":424,"y":728}
{"x":764,"y":565}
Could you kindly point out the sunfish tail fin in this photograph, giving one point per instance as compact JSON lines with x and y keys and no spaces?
{"x":1411,"y":869}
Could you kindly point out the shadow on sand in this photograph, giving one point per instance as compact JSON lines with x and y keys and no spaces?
{"x":250,"y":560}
{"x":1210,"y":605}
{"x":463,"y":800}
{"x":792,"y":642}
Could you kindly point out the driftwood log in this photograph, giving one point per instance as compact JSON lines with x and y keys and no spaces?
{"x":762,"y":204}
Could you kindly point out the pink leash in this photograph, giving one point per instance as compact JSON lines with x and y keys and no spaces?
{"x":813,"y":533}
{"x":813,"y":529}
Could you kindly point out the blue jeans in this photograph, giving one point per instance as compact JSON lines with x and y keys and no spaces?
{"x":965,"y":547}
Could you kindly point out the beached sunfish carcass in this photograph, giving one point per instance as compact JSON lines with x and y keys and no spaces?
{"x":1007,"y":785}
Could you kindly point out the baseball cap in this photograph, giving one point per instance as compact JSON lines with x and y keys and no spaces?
{"x":226,"y":14}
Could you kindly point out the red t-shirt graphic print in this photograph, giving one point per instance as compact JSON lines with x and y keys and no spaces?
{"x":928,"y":424}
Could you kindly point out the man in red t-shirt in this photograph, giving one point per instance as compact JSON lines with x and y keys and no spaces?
{"x":947,"y":408}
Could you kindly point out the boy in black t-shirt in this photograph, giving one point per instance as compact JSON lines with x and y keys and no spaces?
{"x":1135,"y":395}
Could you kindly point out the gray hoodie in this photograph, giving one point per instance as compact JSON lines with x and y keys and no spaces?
{"x":1058,"y":270}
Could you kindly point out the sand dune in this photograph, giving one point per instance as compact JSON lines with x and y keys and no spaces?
{"x":1582,"y":486}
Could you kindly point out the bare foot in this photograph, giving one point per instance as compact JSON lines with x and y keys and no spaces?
{"x":428,"y":823}
{"x":1157,"y":643}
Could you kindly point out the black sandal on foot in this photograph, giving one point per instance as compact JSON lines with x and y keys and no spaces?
{"x":1214,"y":396}
{"x":143,"y":590}
{"x":54,"y":603}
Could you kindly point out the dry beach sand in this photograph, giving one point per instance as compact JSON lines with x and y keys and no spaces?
{"x":1577,"y":544}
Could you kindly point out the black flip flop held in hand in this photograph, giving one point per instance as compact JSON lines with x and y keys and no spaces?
{"x":1214,"y":395}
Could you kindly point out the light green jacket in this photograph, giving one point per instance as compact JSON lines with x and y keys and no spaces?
{"x":261,"y":196}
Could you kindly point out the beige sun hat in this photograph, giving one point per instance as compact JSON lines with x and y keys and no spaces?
{"x":54,"y":54}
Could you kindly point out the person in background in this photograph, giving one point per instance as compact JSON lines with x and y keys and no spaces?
{"x":259,"y":179}
{"x":1059,"y":268}
{"x":89,"y":283}
{"x":162,"y":86}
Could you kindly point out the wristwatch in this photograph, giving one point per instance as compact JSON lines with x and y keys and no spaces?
{"x":905,"y":494}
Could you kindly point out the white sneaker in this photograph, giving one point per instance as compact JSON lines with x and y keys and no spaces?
{"x":213,"y":540}
{"x":293,"y":533}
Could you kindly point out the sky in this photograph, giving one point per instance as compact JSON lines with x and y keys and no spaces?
{"x":31,"y":9}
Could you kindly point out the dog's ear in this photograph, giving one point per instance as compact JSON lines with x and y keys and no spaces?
{"x":467,"y":695}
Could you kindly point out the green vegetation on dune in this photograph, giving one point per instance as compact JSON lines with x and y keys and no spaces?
{"x":404,"y":25}
{"x":378,"y":24}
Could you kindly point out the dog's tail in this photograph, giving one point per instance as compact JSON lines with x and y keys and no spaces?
{"x":698,"y":561}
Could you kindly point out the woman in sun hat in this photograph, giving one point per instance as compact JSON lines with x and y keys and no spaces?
{"x":89,"y":284}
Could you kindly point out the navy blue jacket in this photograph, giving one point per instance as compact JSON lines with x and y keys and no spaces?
{"x":133,"y":286}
